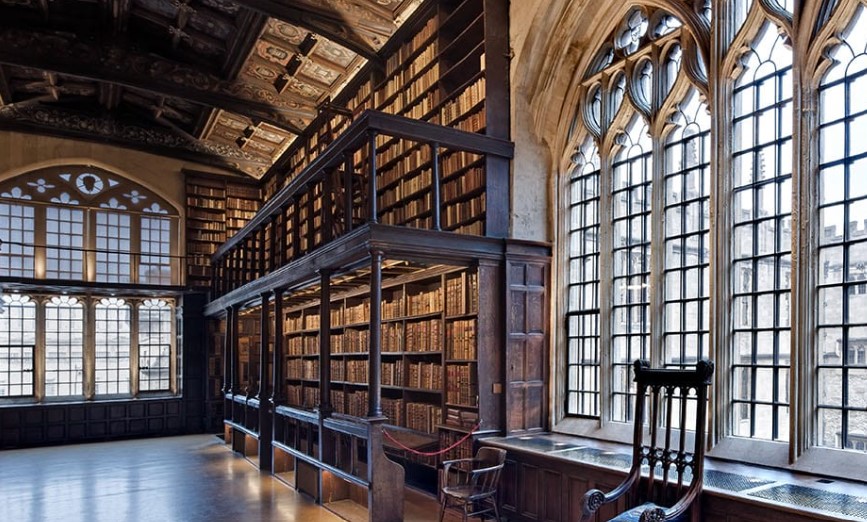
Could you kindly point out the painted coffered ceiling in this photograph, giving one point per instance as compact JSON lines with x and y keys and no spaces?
{"x":229,"y":83}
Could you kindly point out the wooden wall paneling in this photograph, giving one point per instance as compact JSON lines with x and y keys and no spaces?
{"x":527,"y":290}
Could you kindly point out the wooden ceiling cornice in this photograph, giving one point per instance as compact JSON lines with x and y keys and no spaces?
{"x":224,"y":82}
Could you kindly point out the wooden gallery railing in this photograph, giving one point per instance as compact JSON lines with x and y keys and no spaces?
{"x":338,"y":201}
{"x":332,"y":195}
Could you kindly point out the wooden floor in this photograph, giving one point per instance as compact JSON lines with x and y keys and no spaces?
{"x":181,"y":479}
{"x":169,"y":479}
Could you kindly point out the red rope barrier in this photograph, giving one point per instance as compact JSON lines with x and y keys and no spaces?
{"x":432,"y":453}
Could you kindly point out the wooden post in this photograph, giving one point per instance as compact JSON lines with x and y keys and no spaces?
{"x":325,"y":406}
{"x":327,"y":214}
{"x":310,"y":190}
{"x":296,"y":236}
{"x":278,"y":384}
{"x":261,"y":261}
{"x":326,"y":437}
{"x":373,"y":207}
{"x":272,"y":246}
{"x":347,"y":191}
{"x":435,"y":187}
{"x":374,"y":368}
{"x":235,"y":380}
{"x":263,"y":392}
{"x":227,"y":355}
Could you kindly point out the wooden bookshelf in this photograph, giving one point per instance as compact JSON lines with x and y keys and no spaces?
{"x":428,"y":318}
{"x":216,"y":209}
{"x":448,"y":69}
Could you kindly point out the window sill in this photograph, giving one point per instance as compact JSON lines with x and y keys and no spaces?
{"x":791,"y":489}
{"x":26,"y":403}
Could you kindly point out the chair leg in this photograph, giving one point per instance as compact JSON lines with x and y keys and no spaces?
{"x":496,"y":509}
{"x":466,"y":510}
{"x":443,"y":508}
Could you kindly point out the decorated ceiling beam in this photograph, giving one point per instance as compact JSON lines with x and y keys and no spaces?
{"x":66,"y":54}
{"x":116,"y":14}
{"x":332,"y":25}
{"x":59,"y":121}
{"x":250,"y":27}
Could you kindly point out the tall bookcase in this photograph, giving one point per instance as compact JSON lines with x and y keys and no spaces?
{"x":448,"y":67}
{"x":216,"y":209}
{"x":430,"y":385}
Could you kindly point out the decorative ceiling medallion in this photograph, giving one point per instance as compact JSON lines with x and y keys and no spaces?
{"x":288,"y":32}
{"x":262,"y":72}
{"x":306,"y":90}
{"x":334,"y":53}
{"x":273,"y":53}
{"x":319,"y":72}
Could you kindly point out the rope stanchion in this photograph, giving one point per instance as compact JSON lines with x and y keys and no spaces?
{"x":431,"y":453}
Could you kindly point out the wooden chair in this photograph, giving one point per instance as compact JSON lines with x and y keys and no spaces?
{"x":472,"y":483}
{"x":670,"y":462}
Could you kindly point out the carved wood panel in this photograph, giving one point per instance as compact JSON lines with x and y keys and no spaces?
{"x":528,"y":286}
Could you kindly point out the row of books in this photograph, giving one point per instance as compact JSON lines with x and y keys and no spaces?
{"x":350,"y":341}
{"x":424,"y":301}
{"x":393,"y":409}
{"x":461,"y":339}
{"x":422,"y":108}
{"x":423,"y":336}
{"x":464,"y":210}
{"x":475,"y":122}
{"x":390,"y":337}
{"x":461,"y":451}
{"x":407,"y":49}
{"x":392,"y":305}
{"x":302,"y":345}
{"x":200,"y":202}
{"x":356,"y":371}
{"x":302,"y":369}
{"x":423,"y":417}
{"x":302,"y":396}
{"x":406,"y":92}
{"x":202,"y":235}
{"x":248,"y":205}
{"x":461,"y":293}
{"x":206,"y":190}
{"x":456,"y":160}
{"x":461,"y":418}
{"x":392,"y":373}
{"x":410,"y":210}
{"x":462,"y":385}
{"x":412,"y":157}
{"x":425,"y":376}
{"x":472,"y":180}
{"x":213,"y":226}
{"x":476,"y":228}
{"x":464,"y":102}
{"x":407,"y":187}
{"x":351,"y":403}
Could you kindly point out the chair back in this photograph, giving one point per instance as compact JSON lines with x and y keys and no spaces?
{"x":670,"y":431}
{"x":487,"y":468}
